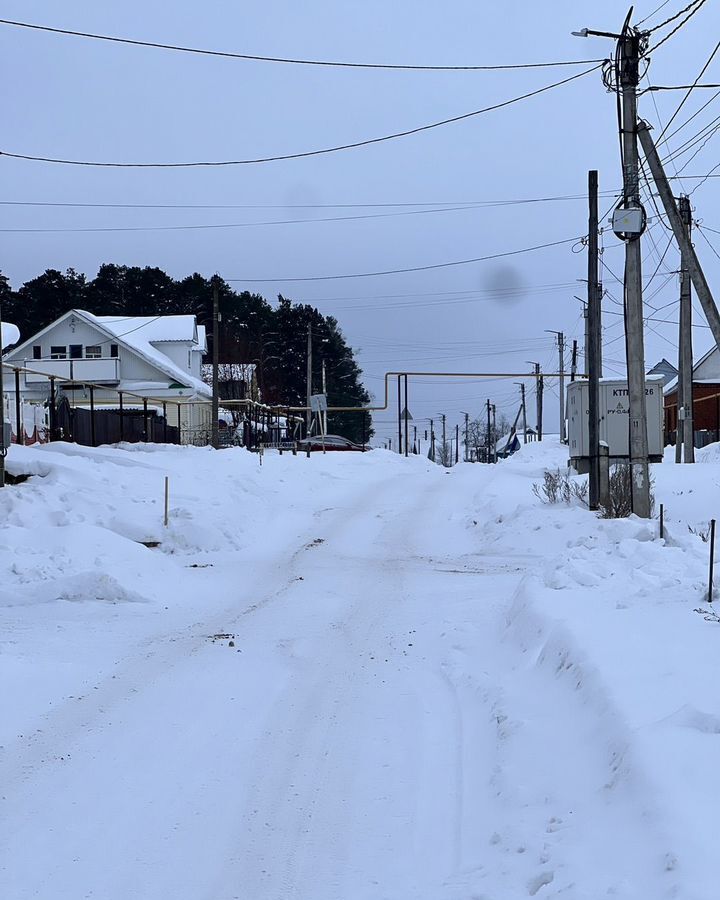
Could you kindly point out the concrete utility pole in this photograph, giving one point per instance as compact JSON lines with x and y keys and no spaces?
{"x":467,"y":425}
{"x":407,"y":414}
{"x":629,"y":76}
{"x":593,"y":338}
{"x":494,"y":431}
{"x":215,"y":431}
{"x":561,"y":372}
{"x":573,"y":361}
{"x":308,"y":376}
{"x":457,"y":444}
{"x":521,"y":385}
{"x":444,"y":450}
{"x":399,"y":408}
{"x":538,"y":400}
{"x":683,"y":241}
{"x":685,"y":367}
{"x":432,"y":441}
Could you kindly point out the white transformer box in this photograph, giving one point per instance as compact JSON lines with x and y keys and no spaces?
{"x":614,"y":413}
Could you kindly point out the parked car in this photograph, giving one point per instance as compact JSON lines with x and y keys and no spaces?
{"x":330,"y":442}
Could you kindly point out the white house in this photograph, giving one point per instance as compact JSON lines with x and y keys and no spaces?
{"x":153,"y":358}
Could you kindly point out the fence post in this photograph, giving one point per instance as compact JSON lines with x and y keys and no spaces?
{"x":122,"y":418}
{"x":92,"y":416}
{"x":145,"y":420}
{"x":712,"y":560}
{"x":662,"y":521}
{"x":604,"y":481}
{"x":167,"y":500}
{"x":19,"y":424}
{"x":53,"y":411}
{"x":165,"y":425}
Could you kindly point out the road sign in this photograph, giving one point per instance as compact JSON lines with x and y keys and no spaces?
{"x":318,"y":403}
{"x":406,"y":414}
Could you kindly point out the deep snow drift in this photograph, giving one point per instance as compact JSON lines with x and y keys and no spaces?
{"x":354,"y":677}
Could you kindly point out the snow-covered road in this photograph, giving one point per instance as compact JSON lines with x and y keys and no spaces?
{"x":357,"y":707}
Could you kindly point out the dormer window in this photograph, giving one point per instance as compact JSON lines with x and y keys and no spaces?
{"x":93,"y":351}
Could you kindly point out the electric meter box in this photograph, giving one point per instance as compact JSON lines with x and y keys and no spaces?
{"x":614,"y":411}
{"x":628,"y":221}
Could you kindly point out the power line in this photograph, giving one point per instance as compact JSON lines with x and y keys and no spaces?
{"x":693,"y":7}
{"x":674,"y":16}
{"x":306,"y":153}
{"x":291,"y":60}
{"x":460,"y":262}
{"x":650,"y":15}
{"x":690,"y":90}
{"x":479,"y":203}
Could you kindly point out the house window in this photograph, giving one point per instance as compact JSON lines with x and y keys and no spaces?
{"x":75,"y":351}
{"x":93,"y":351}
{"x":37,"y":352}
{"x":114,"y":350}
{"x":58,"y":353}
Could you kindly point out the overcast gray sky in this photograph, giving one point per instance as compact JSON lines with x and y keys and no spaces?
{"x":75,"y":98}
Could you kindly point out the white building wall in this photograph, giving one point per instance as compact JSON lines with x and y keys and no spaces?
{"x":709,"y":370}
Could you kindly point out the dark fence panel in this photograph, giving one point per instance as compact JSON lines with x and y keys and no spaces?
{"x":75,"y":424}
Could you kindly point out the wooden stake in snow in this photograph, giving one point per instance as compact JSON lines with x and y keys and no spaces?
{"x":167,"y":500}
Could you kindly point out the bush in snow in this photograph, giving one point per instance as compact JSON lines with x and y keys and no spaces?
{"x":559,"y":487}
{"x":620,"y":500}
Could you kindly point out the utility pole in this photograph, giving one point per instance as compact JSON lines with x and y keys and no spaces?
{"x":432,"y":441}
{"x":215,"y":431}
{"x":457,"y":444}
{"x":416,"y":448}
{"x":685,"y":368}
{"x":697,"y":275}
{"x":538,"y":400}
{"x":444,"y":449}
{"x":592,"y":347}
{"x":521,"y":385}
{"x":308,"y":391}
{"x":324,"y":390}
{"x":399,"y":408}
{"x":573,"y":362}
{"x":561,"y":371}
{"x":487,"y":445}
{"x":494,"y":432}
{"x":628,"y":224}
{"x":407,"y":414}
{"x":467,"y":426}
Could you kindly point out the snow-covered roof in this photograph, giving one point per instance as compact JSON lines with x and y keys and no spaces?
{"x":202,"y":337}
{"x":142,"y":333}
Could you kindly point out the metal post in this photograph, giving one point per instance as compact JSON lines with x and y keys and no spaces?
{"x":215,"y":432}
{"x":399,"y":410}
{"x":593,"y":337}
{"x":635,"y":345}
{"x":432,"y":441}
{"x":712,"y":559}
{"x":685,"y":385}
{"x":407,"y":413}
{"x":167,"y":501}
{"x":323,"y":414}
{"x":308,"y":380}
{"x":540,"y":390}
{"x":604,"y":476}
{"x":444,"y":440}
{"x":467,"y":428}
{"x":573,"y":364}
{"x":19,"y":424}
{"x":561,"y":373}
{"x":53,"y":411}
{"x":494,"y":434}
{"x":662,"y":520}
{"x":457,"y":444}
{"x":524,"y":413}
{"x":145,"y":419}
{"x":122,"y":417}
{"x":93,"y":442}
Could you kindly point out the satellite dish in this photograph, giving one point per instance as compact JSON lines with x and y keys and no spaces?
{"x":10,"y":334}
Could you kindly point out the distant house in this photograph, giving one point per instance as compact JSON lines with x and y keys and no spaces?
{"x":706,"y":400}
{"x":151,"y":362}
{"x":664,"y":368}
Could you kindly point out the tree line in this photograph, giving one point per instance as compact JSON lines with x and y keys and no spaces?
{"x":252,"y":330}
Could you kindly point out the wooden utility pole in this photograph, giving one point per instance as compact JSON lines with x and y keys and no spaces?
{"x":685,"y":367}
{"x":487,"y":446}
{"x":629,"y":76}
{"x":592,"y":347}
{"x":308,"y":377}
{"x":215,"y":431}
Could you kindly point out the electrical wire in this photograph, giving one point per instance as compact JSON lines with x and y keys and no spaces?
{"x":690,"y":90}
{"x":460,"y":262}
{"x":306,"y":153}
{"x":673,"y":17}
{"x":693,"y":7}
{"x":479,"y":203}
{"x":291,"y":60}
{"x":650,"y":15}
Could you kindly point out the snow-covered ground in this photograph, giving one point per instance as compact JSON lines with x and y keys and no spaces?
{"x":353,"y":677}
